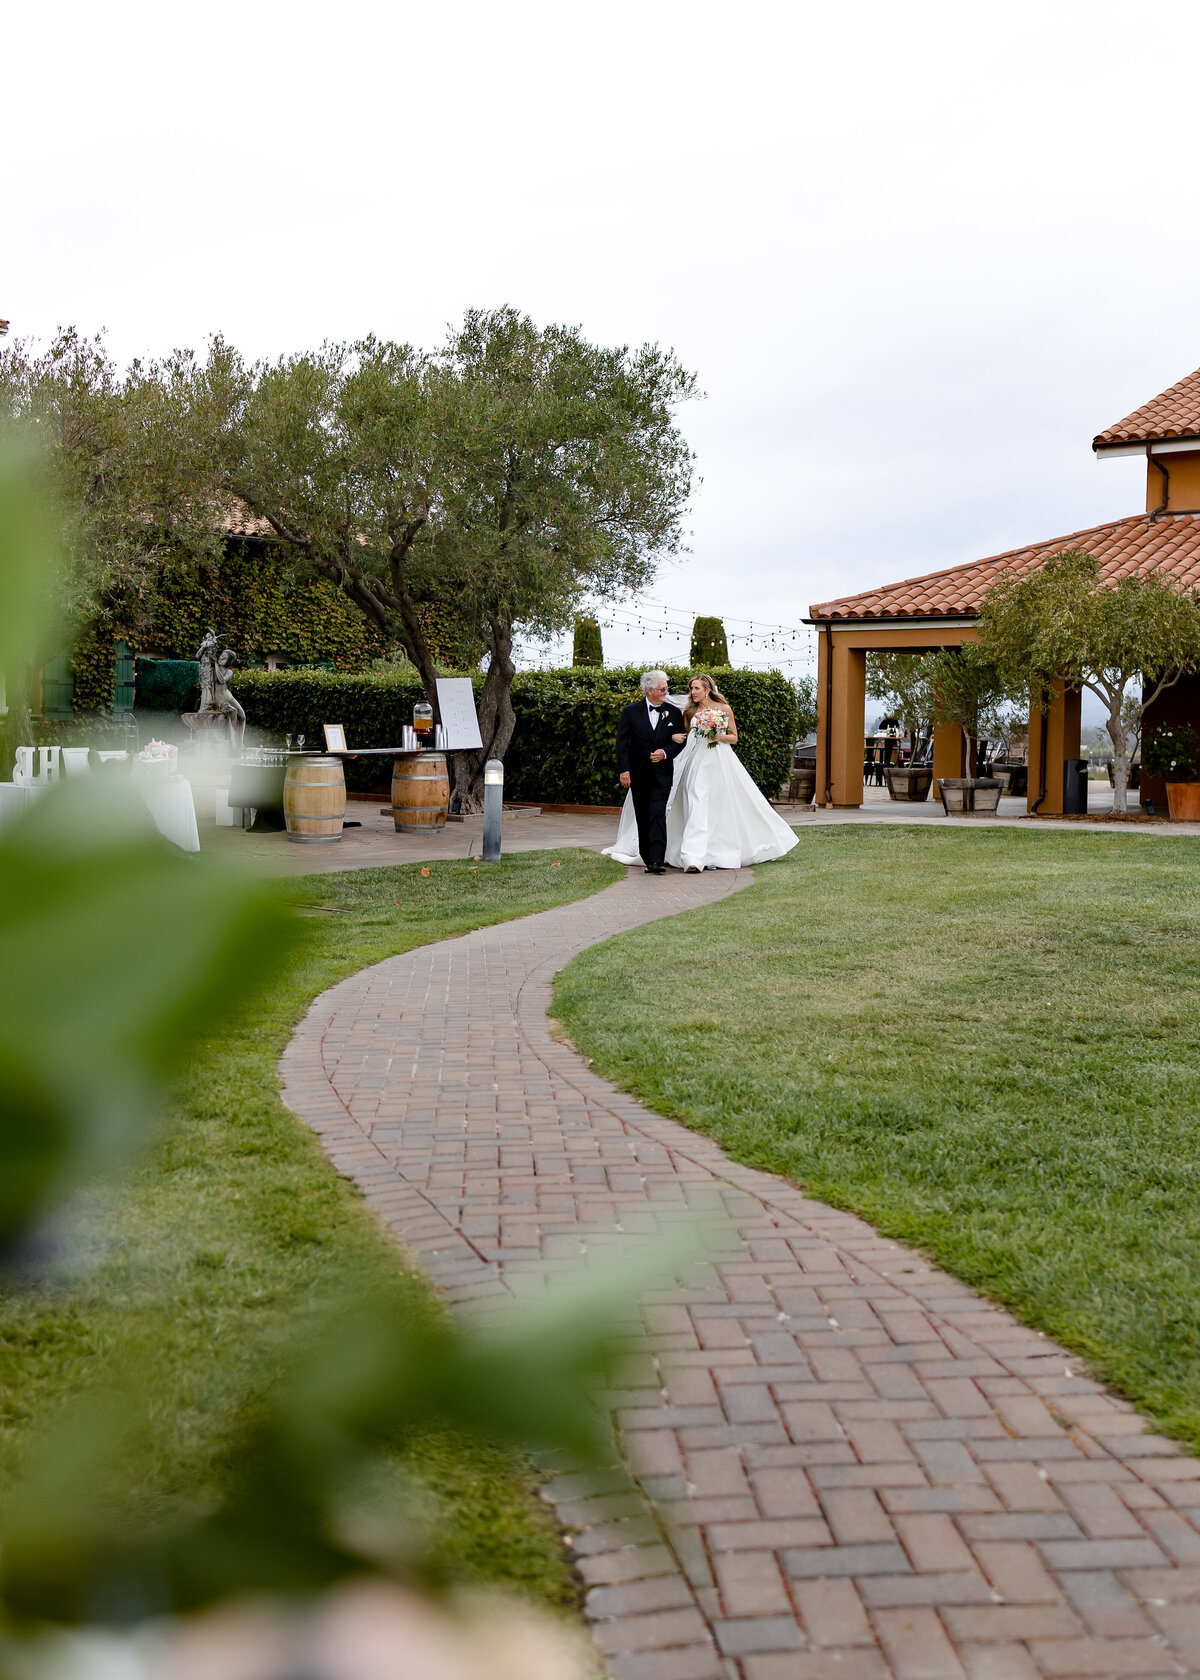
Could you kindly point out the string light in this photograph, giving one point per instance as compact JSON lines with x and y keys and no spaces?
{"x":787,"y":644}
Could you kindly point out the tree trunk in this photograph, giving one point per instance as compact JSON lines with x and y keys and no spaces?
{"x":496,"y":719}
{"x":1119,"y":735}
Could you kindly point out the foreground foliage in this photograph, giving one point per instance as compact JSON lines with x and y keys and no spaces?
{"x":986,"y":1043}
{"x":196,"y":1280}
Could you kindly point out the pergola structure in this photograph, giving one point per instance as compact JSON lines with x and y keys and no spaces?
{"x":940,"y":609}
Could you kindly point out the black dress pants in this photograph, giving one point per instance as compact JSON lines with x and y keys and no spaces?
{"x":650,"y":795}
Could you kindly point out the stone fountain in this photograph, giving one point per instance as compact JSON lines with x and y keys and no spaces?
{"x":220,"y":722}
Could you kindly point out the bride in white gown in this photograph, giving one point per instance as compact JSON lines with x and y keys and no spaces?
{"x":716,"y":818}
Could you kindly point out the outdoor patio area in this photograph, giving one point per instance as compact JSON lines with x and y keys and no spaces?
{"x":529,"y":829}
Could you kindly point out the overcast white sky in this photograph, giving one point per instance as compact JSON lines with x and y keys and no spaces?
{"x":917,"y":254}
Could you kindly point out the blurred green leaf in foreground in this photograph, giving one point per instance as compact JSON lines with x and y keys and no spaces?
{"x":115,"y":949}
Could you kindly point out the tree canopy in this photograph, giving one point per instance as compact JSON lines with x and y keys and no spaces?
{"x":497,"y":484}
{"x":970,"y":687}
{"x":901,"y":681}
{"x":112,"y":463}
{"x":509,"y":476}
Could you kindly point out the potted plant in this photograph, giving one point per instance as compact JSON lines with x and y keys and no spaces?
{"x":969,"y":689}
{"x":901,"y":681}
{"x":1174,"y":754}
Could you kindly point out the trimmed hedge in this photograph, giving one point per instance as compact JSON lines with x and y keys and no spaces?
{"x":563,"y":750}
{"x":168,"y":685}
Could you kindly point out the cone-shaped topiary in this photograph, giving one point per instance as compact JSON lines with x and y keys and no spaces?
{"x":708,"y":643}
{"x":589,"y":649}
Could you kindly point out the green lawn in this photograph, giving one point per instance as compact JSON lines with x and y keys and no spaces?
{"x":206,"y":1263}
{"x":987,"y":1042}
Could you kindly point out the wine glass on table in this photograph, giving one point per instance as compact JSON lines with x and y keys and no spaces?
{"x":300,"y":742}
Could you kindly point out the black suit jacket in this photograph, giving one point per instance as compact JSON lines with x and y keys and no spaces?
{"x":636,"y":741}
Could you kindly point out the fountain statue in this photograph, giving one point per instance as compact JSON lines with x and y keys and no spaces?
{"x":218,"y":708}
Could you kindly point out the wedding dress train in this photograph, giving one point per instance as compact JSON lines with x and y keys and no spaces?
{"x":716,"y":817}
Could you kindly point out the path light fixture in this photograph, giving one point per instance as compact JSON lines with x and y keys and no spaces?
{"x":493,"y":808}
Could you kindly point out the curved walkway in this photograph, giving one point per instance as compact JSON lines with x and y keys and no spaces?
{"x":859,"y":1469}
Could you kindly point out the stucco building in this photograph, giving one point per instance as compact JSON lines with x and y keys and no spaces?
{"x":940,"y":609}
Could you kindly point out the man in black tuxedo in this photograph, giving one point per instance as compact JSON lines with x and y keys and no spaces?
{"x":644,"y":754}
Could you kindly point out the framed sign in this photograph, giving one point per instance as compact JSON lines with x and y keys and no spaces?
{"x":456,"y":703}
{"x":335,"y":738}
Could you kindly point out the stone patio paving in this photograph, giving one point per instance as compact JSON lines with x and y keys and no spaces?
{"x":839,"y":1460}
{"x":530,"y":829}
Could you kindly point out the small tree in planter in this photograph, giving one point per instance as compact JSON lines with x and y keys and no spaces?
{"x":967,"y":686}
{"x":1174,"y":754}
{"x":901,"y":681}
{"x":1063,"y":623}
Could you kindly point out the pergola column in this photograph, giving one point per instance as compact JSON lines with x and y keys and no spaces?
{"x":842,"y":708}
{"x":1061,"y":723}
{"x":949,"y":752}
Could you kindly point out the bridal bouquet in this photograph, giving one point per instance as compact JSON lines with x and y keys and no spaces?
{"x":710,"y":724}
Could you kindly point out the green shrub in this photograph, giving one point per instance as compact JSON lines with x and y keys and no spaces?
{"x":563,"y":750}
{"x":1173,"y":754}
{"x":589,"y":645}
{"x":709,"y":647}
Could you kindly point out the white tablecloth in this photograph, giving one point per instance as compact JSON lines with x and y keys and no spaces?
{"x":169,"y":801}
{"x":15,"y":800}
{"x":167,"y":798}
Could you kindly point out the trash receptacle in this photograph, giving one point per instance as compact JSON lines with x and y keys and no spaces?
{"x":1075,"y":787}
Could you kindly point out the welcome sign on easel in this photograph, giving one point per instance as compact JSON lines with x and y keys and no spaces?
{"x":456,"y":705}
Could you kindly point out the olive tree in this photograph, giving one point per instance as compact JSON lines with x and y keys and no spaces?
{"x":805,"y":689}
{"x":901,"y":681}
{"x":509,"y":477}
{"x":111,"y":463}
{"x":1064,"y":623}
{"x":968,"y":686}
{"x":566,"y":480}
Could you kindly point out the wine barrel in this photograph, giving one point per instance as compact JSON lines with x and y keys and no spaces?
{"x":314,"y":800}
{"x":420,"y":794}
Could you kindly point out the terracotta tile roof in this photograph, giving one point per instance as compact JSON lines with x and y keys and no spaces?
{"x":240,"y":522}
{"x":1137,"y":546}
{"x":1174,"y":413}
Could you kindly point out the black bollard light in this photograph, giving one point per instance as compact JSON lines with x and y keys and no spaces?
{"x":493,"y":809}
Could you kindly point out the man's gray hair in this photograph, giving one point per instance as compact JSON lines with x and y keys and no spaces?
{"x":654,"y":679}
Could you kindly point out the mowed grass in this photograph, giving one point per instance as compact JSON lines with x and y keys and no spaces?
{"x":211,"y":1260}
{"x":987,"y":1042}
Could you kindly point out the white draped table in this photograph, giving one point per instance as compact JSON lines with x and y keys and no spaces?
{"x":169,"y":801}
{"x":167,"y":798}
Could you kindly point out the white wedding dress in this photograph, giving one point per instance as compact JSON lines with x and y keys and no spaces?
{"x":716,"y":817}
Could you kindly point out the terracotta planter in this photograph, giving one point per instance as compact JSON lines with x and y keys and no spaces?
{"x":1183,"y":801}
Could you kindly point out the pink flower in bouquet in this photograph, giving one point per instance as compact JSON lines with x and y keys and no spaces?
{"x":709,"y":724}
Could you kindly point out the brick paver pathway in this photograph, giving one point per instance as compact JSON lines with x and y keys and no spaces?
{"x":858,"y":1468}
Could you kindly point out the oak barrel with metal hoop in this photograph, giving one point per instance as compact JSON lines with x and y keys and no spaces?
{"x":314,"y":800}
{"x":420,"y":794}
